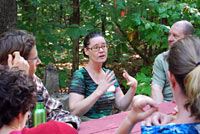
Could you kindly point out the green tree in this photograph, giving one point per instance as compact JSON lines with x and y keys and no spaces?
{"x":132,"y":28}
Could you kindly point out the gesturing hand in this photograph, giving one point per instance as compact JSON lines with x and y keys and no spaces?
{"x":106,"y":82}
{"x":18,"y":62}
{"x":132,"y":82}
{"x":139,"y":102}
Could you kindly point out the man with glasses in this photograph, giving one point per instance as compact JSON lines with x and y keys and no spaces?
{"x":25,"y":45}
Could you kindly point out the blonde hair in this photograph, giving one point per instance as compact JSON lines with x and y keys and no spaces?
{"x":183,"y":59}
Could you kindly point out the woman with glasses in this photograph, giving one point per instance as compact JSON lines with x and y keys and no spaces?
{"x":94,"y":89}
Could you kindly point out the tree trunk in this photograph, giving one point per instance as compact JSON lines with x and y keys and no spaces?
{"x":103,"y":20}
{"x":8,"y":15}
{"x":75,"y":47}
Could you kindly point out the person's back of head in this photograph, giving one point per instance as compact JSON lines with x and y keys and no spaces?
{"x":17,"y":94}
{"x":184,"y":63}
{"x":16,"y":40}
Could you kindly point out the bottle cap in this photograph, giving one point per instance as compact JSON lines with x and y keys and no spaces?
{"x":39,"y":97}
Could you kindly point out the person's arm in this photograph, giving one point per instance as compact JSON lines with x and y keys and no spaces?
{"x":54,"y":107}
{"x":156,"y":93}
{"x":79,"y":105}
{"x":137,"y":113}
{"x":158,"y":79}
{"x":123,"y":101}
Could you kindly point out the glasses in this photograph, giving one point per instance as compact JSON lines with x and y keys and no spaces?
{"x":97,"y":48}
{"x":34,"y":60}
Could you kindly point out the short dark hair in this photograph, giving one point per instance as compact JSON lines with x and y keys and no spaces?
{"x":15,"y":40}
{"x":87,"y":38}
{"x":17,"y":94}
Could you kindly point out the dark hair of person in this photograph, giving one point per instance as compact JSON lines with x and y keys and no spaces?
{"x":184,"y":63}
{"x":15,"y":40}
{"x":86,"y":41}
{"x":17,"y":94}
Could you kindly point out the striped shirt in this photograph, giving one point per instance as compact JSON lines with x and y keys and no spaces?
{"x":83,"y":84}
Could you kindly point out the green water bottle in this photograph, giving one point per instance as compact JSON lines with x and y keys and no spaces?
{"x":39,"y":113}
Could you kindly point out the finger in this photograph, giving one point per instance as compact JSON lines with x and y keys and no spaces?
{"x":10,"y":60}
{"x":107,"y":72}
{"x":148,"y":101}
{"x":148,"y":112}
{"x":126,"y":75}
{"x":16,"y":54}
{"x":132,"y":83}
{"x":110,"y":76}
{"x":148,"y":122}
{"x":166,"y":119}
{"x":112,"y":83}
{"x":156,"y":119}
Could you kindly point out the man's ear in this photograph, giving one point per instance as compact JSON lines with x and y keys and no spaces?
{"x":172,"y":79}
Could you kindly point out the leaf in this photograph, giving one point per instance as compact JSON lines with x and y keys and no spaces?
{"x":120,"y":4}
{"x":75,"y":33}
{"x":148,"y":26}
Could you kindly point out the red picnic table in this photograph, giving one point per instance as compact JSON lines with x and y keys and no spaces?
{"x":108,"y":125}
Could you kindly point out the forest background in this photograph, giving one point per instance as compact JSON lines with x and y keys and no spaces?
{"x":136,"y":32}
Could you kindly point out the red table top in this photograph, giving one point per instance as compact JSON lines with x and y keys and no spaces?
{"x":108,"y":125}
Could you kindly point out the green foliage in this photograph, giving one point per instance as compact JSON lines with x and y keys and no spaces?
{"x":63,"y":77}
{"x":144,"y":78}
{"x":142,"y":30}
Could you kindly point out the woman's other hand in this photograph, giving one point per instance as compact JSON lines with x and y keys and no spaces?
{"x":132,"y":82}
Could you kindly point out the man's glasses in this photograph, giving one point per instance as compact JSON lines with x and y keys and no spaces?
{"x":97,"y":48}
{"x":34,"y":60}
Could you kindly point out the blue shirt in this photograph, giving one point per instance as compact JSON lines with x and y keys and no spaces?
{"x":191,"y":128}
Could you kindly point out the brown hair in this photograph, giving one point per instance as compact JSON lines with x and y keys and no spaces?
{"x":16,"y":40}
{"x":17,"y":94}
{"x":183,"y":59}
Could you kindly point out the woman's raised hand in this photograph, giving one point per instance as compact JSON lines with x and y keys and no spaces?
{"x":18,"y":62}
{"x":106,"y":82}
{"x":132,"y":82}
